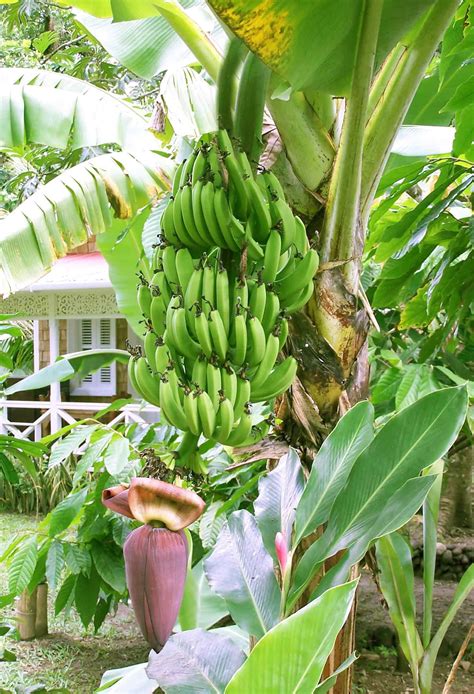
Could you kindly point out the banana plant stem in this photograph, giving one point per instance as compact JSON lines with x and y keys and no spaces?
{"x":390,"y":111}
{"x":193,"y":36}
{"x":383,"y":77}
{"x":339,"y":235}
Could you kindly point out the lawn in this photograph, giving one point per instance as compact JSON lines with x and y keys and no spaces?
{"x":69,"y":659}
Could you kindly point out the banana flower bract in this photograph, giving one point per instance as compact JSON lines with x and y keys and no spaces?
{"x":156,"y":554}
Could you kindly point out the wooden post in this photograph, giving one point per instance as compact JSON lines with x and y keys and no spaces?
{"x":26,"y":615}
{"x":55,"y":388}
{"x":41,"y":623}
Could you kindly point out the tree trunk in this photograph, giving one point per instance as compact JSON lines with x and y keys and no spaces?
{"x":456,"y":501}
{"x":26,"y":615}
{"x":41,"y":623}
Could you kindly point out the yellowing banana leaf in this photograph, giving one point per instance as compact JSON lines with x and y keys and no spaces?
{"x":49,"y":108}
{"x":312,"y":43}
{"x":110,"y":194}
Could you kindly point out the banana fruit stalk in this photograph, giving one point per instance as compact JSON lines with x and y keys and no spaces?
{"x":231,"y":263}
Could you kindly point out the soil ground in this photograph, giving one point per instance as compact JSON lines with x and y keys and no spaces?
{"x":70,"y":660}
{"x":375,"y":671}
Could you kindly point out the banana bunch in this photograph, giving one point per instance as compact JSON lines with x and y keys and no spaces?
{"x":231,"y":264}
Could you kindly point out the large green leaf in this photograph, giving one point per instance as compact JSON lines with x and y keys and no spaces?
{"x":61,"y":111}
{"x":66,"y":446}
{"x":409,"y":442}
{"x":313,"y":44}
{"x":331,"y":467}
{"x":104,"y":194}
{"x":398,"y":587}
{"x":22,"y":565}
{"x":110,"y":566}
{"x":65,"y":512}
{"x":463,"y":590}
{"x":195,"y":661}
{"x":382,"y":488}
{"x":86,"y":593}
{"x":279,"y":494}
{"x":64,"y":368}
{"x":145,"y":43}
{"x":241,"y":571}
{"x":200,"y":607}
{"x":291,"y":657}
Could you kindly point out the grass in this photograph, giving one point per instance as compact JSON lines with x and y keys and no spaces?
{"x":69,"y":659}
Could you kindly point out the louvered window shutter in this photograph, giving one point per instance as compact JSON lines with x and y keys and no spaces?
{"x":93,"y":333}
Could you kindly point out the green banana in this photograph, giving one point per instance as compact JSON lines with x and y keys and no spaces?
{"x":199,"y":373}
{"x":242,"y":431}
{"x":180,"y":337}
{"x":188,"y":215}
{"x":202,"y":332}
{"x":210,"y":218}
{"x":184,"y":267}
{"x":149,"y":347}
{"x":229,"y":383}
{"x":144,"y":297}
{"x":272,"y":256}
{"x":218,"y":335}
{"x":167,"y":224}
{"x":214,"y":384}
{"x":207,"y":414}
{"x":243,"y":396}
{"x":158,"y":315}
{"x":303,"y":276}
{"x":272,"y":310}
{"x":169,"y":264}
{"x":191,"y":412}
{"x":256,"y":341}
{"x":279,"y":380}
{"x":239,"y":347}
{"x":225,"y":420}
{"x":222,"y":296}
{"x":171,"y":407}
{"x":224,"y":219}
{"x":268,"y":362}
{"x":148,"y":385}
{"x":258,"y":298}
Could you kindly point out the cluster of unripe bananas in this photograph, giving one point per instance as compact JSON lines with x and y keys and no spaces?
{"x":231,"y":264}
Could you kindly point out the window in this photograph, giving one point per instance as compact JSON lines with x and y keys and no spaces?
{"x":93,"y":333}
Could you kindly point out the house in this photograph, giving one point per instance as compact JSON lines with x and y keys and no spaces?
{"x":73,"y":308}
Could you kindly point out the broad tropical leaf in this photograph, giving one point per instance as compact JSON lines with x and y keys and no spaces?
{"x":398,"y":586}
{"x":332,"y":465}
{"x":378,"y":498}
{"x":75,"y":364}
{"x":200,"y":607}
{"x":312,"y":44}
{"x":463,"y":590}
{"x":50,"y":108}
{"x":409,"y":442}
{"x":241,"y":571}
{"x":104,"y":195}
{"x":148,"y":45}
{"x":291,"y":657}
{"x":279,"y":494}
{"x":195,"y":661}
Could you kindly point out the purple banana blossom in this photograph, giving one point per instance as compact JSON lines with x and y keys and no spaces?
{"x":156,"y":558}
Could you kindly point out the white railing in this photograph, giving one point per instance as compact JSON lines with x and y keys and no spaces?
{"x":54,"y":415}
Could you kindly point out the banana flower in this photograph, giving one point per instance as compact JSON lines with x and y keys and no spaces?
{"x":156,"y":554}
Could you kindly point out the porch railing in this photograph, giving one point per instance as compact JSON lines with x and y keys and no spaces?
{"x":56,"y":415}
